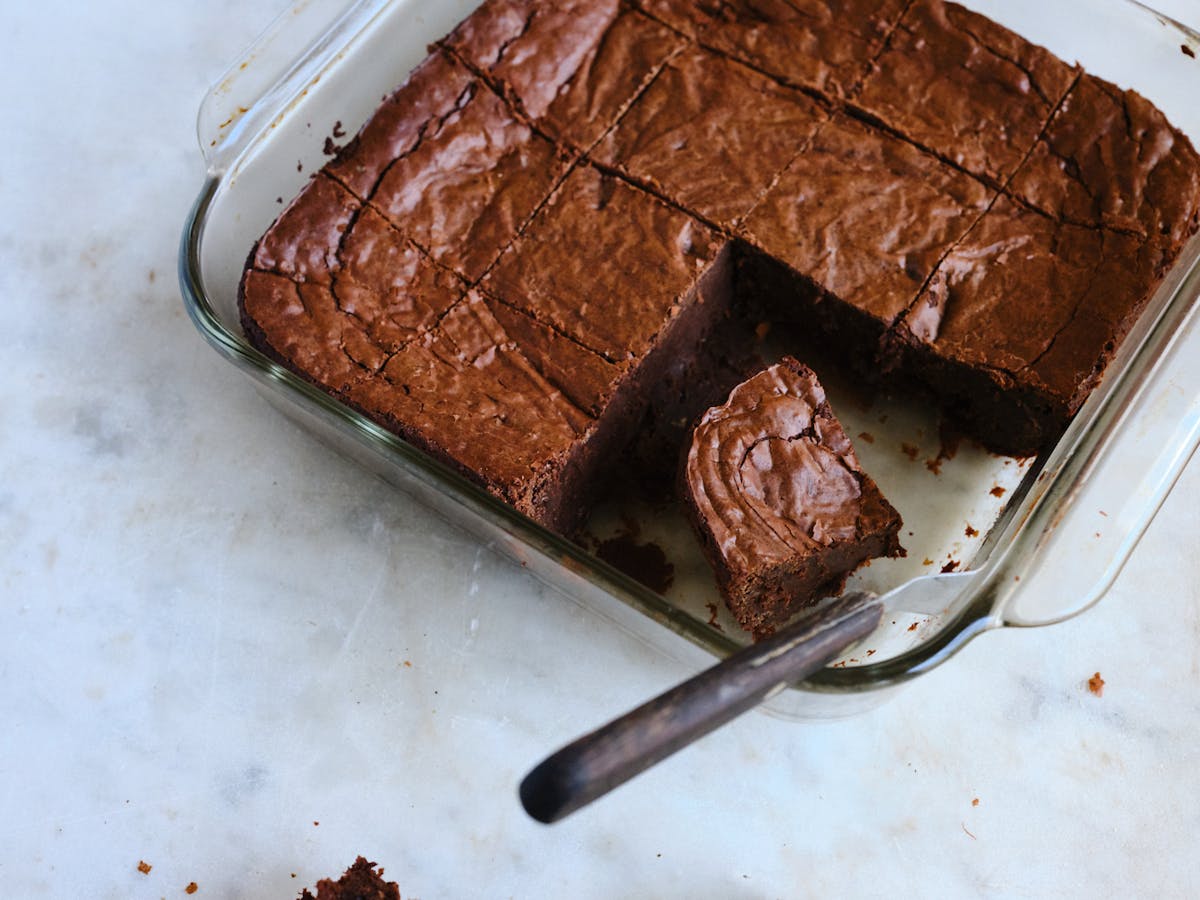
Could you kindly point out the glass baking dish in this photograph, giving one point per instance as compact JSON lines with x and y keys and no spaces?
{"x":991,"y":541}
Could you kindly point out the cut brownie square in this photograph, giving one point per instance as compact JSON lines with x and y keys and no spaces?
{"x":573,"y":67}
{"x":558,"y":271}
{"x":783,"y":509}
{"x":821,"y":45}
{"x":436,"y":89}
{"x":1109,"y":158}
{"x":465,"y":392}
{"x":863,"y":218}
{"x":605,"y":334}
{"x":465,"y":187}
{"x":1019,"y":322}
{"x":967,"y":89}
{"x":710,"y":134}
{"x":333,"y":290}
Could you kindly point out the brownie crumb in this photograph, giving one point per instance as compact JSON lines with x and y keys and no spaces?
{"x":1096,"y":685}
{"x":338,"y":131}
{"x":362,"y":881}
{"x":950,"y":566}
{"x":646,"y":563}
{"x":971,"y":532}
{"x":144,"y":867}
{"x":1187,"y":51}
{"x":191,"y":888}
{"x":975,"y":801}
{"x":997,"y":491}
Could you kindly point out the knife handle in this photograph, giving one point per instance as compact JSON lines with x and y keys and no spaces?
{"x":598,"y":762}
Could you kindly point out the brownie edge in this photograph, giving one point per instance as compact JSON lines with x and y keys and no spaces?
{"x":776,"y":494}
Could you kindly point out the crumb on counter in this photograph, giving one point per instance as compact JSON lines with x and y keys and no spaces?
{"x":1096,"y":685}
{"x":144,"y":867}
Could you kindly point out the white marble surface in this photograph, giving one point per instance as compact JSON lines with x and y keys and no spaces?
{"x":217,"y":634}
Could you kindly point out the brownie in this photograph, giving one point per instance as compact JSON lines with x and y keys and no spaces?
{"x":1021,"y":318}
{"x":432,"y":92}
{"x":863,"y":217}
{"x":362,"y":881}
{"x":965,"y":88}
{"x":466,"y":174}
{"x":543,"y":254}
{"x":782,"y":507}
{"x":572,"y":68}
{"x":1110,"y":159}
{"x":710,"y":134}
{"x":605,"y":334}
{"x":826,"y":46}
{"x":333,"y":291}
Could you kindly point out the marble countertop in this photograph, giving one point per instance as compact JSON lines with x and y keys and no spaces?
{"x":188,"y":682}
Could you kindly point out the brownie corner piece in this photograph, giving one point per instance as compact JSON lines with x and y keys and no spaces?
{"x":1110,"y":159}
{"x":782,"y":507}
{"x":571,"y":67}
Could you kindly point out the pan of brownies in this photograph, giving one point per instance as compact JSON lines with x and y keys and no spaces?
{"x":795,"y":297}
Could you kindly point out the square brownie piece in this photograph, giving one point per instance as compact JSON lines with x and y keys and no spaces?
{"x":332,"y":290}
{"x":433,"y":91}
{"x":605,"y":334}
{"x":820,"y":45}
{"x":1020,"y":320}
{"x":965,"y":88}
{"x":469,"y":173}
{"x":710,"y":134}
{"x":782,"y":507}
{"x":1110,"y":159}
{"x":464,"y":192}
{"x":571,"y":67}
{"x":863,"y":218}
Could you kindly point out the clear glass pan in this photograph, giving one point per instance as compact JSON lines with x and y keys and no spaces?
{"x":1043,"y":539}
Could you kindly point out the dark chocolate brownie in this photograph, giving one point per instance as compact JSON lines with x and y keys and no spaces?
{"x":782,"y":507}
{"x":469,"y":174}
{"x":821,"y":45}
{"x":1110,"y":159}
{"x":362,"y":881}
{"x":710,"y":134}
{"x":1018,"y":323}
{"x":605,"y":334}
{"x":865,"y":218}
{"x":571,"y":67}
{"x":964,"y":87}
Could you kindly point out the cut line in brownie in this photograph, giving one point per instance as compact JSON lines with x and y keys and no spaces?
{"x":783,"y":510}
{"x":814,"y":45}
{"x":710,"y":134}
